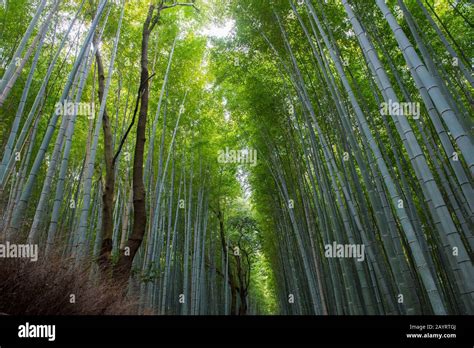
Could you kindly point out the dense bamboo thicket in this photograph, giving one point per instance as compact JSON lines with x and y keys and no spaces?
{"x":244,"y":157}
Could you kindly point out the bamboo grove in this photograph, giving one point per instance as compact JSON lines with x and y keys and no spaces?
{"x":211,"y":174}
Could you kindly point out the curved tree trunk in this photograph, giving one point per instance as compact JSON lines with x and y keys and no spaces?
{"x":124,"y":265}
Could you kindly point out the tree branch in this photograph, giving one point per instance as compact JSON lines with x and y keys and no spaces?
{"x":191,"y":4}
{"x":140,"y":92}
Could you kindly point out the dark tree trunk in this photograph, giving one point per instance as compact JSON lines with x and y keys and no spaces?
{"x":124,"y":264}
{"x":242,"y":286}
{"x":108,"y":195}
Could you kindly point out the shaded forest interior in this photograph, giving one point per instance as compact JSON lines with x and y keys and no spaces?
{"x":234,"y":157}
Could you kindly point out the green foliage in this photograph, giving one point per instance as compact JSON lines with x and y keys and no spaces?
{"x":263,"y":88}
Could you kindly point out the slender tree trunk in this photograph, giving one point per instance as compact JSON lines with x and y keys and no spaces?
{"x":124,"y":265}
{"x":108,"y":194}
